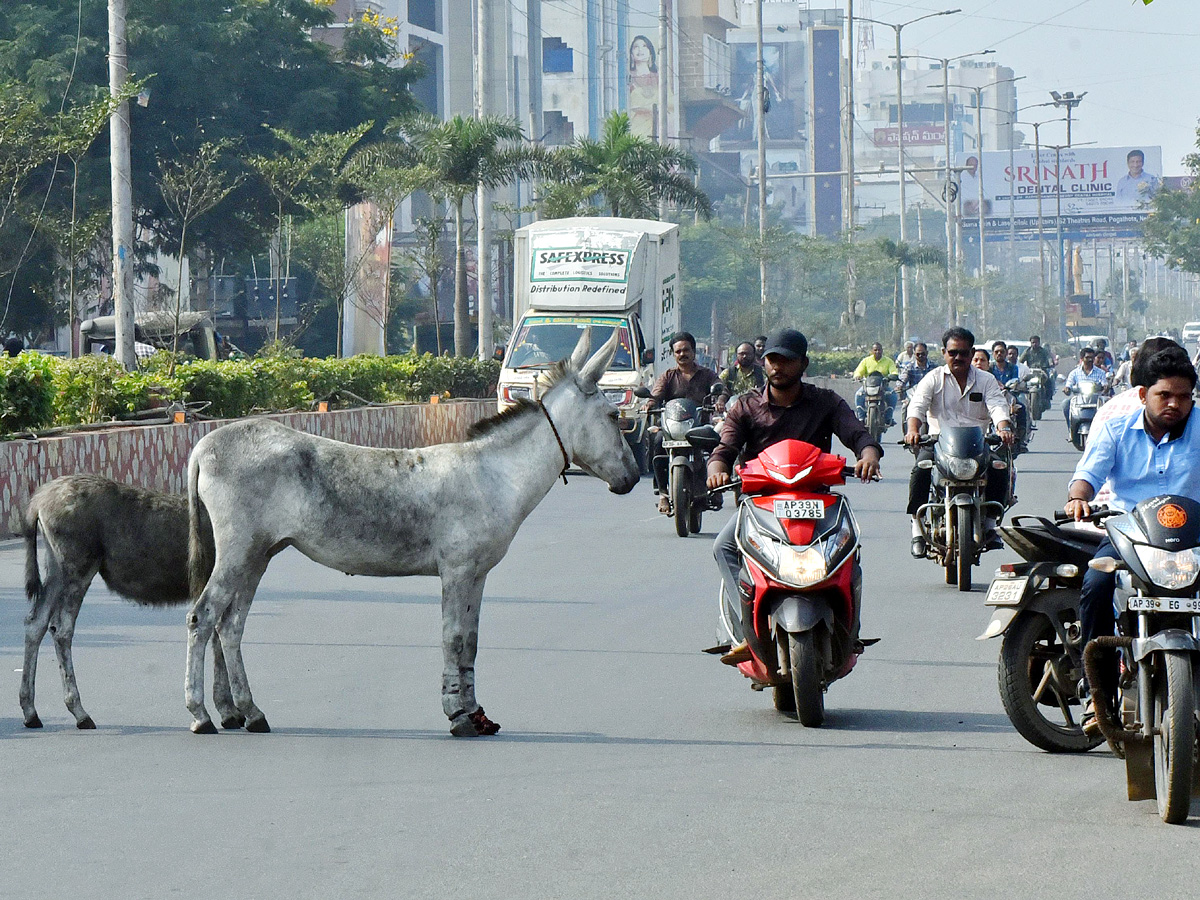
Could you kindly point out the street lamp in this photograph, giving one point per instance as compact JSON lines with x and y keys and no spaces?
{"x":1037,"y":168}
{"x":948,"y":189}
{"x":1062,"y":269}
{"x":979,"y":183}
{"x":900,"y":141}
{"x":1070,"y":100}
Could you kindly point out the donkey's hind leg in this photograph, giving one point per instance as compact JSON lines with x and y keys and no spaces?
{"x":36,"y":623}
{"x":229,"y":631}
{"x":461,"y":599}
{"x":201,"y":625}
{"x":62,"y":629}
{"x":222,"y":697}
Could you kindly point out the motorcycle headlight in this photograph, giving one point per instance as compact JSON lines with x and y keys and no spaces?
{"x":758,"y":543}
{"x":1173,"y":571}
{"x":838,"y":544}
{"x":963,"y":469}
{"x":802,"y":567}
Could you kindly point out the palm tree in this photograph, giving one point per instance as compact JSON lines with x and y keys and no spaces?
{"x":627,"y":173}
{"x":902,"y":256}
{"x":460,"y":155}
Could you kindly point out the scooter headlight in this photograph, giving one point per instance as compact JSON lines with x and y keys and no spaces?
{"x":962,"y":469}
{"x":838,"y":544}
{"x":758,"y":542}
{"x":1173,"y":571}
{"x":802,"y":567}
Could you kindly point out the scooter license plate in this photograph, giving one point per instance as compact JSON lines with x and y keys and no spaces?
{"x":1006,"y":592}
{"x":1164,"y":604}
{"x":675,"y":445}
{"x":799,"y":509}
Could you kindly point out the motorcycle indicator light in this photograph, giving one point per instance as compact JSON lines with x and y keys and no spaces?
{"x":1170,"y":570}
{"x":1066,"y":570}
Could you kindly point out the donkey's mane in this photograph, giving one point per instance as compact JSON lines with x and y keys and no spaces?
{"x":555,"y":375}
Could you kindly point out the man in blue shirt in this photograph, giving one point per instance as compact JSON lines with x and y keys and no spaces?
{"x":1152,"y":451}
{"x":1087,"y":370}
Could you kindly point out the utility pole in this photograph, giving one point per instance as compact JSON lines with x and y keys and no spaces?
{"x":483,"y":200}
{"x":122,"y":188}
{"x":851,"y":302}
{"x":897,"y":28}
{"x":1070,"y":100}
{"x":664,"y":15}
{"x":760,"y":111}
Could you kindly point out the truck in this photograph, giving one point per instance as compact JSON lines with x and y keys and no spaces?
{"x":607,"y":273}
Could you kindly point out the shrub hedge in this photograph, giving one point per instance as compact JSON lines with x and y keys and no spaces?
{"x":840,"y":363}
{"x":39,"y":391}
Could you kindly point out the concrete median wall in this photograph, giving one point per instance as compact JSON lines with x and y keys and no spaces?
{"x":155,"y":456}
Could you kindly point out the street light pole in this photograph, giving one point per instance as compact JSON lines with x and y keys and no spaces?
{"x":1070,"y":100}
{"x":122,"y":188}
{"x":760,"y":113}
{"x":897,"y":28}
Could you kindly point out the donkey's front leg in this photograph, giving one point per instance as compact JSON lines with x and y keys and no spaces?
{"x":462,"y":594}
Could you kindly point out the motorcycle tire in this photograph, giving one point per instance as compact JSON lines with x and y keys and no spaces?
{"x":1030,"y":647}
{"x":807,"y":691}
{"x":965,"y":538}
{"x":785,"y":700}
{"x":696,"y":516}
{"x":1079,"y":439}
{"x":1174,"y":736}
{"x":681,"y":500}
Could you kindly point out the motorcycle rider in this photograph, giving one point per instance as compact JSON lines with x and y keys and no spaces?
{"x":1038,"y":357}
{"x":787,"y":408}
{"x":876,"y":362}
{"x":745,"y":374}
{"x":1142,"y":454}
{"x":921,"y":366}
{"x":956,"y":394}
{"x":686,"y":380}
{"x":1021,"y":373}
{"x":1000,"y":366}
{"x":1087,"y":370}
{"x":907,"y":356}
{"x":1104,"y":359}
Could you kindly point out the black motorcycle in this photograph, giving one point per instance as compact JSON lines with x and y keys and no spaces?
{"x":952,"y":521}
{"x":687,"y":465}
{"x":1035,"y":610}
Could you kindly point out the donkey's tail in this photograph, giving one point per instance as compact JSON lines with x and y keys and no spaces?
{"x":33,"y":577}
{"x":201,"y":555}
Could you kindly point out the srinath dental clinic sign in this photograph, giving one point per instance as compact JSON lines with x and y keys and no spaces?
{"x":1083,"y":181}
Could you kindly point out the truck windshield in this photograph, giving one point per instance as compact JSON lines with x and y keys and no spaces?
{"x":543,"y":341}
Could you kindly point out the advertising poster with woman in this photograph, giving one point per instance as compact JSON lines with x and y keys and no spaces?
{"x":642,"y":84}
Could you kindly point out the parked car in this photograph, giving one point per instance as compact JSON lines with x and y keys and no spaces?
{"x":1191,"y":332}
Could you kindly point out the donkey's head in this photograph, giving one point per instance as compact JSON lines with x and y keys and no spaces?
{"x":587,"y":421}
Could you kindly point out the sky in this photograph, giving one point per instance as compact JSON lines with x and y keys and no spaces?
{"x":1140,"y":65}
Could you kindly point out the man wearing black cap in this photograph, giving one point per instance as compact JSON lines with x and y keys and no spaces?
{"x":787,"y":408}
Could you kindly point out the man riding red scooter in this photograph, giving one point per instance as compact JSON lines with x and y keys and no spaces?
{"x":789,"y":558}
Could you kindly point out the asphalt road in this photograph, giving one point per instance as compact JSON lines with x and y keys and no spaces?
{"x":629,"y":764}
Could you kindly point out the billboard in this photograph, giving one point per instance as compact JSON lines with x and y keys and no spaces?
{"x":920,"y":135}
{"x":1093,"y":188}
{"x":783,"y":81}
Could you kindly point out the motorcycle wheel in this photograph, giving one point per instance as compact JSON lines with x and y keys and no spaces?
{"x":695,"y":519}
{"x":681,"y":500}
{"x":696,"y":509}
{"x":1079,"y":439}
{"x":1174,"y":737}
{"x":785,"y":700}
{"x":806,"y":679}
{"x":1031,"y":655}
{"x":965,"y":528}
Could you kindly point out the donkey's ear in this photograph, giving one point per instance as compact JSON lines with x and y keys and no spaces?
{"x":598,"y":364}
{"x":580,"y":354}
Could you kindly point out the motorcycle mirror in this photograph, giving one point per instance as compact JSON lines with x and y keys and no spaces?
{"x":705,"y":438}
{"x":642,"y":391}
{"x":647,"y":357}
{"x":717,"y":389}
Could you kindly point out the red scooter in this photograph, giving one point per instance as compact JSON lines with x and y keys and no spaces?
{"x":801,"y":578}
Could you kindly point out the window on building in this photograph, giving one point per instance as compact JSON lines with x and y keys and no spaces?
{"x":425,"y":14}
{"x":427,"y":91}
{"x":557,"y":127}
{"x":557,"y":56}
{"x":718,"y":64}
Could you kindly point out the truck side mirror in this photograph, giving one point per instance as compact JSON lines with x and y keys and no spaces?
{"x":498,"y":354}
{"x":647,"y":357}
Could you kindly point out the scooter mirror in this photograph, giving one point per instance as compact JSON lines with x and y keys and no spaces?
{"x":642,"y":391}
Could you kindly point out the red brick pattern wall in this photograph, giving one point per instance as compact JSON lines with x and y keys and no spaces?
{"x":155,"y":456}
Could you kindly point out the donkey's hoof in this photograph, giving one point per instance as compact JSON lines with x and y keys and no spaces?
{"x":205,"y":727}
{"x":483,"y":724}
{"x":258,"y":726}
{"x":463,"y":726}
{"x":33,"y":721}
{"x":233,"y":722}
{"x":86,"y":724}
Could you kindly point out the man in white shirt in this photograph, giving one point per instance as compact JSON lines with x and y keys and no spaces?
{"x":956,"y":394}
{"x":1139,"y":185}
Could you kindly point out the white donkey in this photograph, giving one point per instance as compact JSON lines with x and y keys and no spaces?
{"x":450,"y":510}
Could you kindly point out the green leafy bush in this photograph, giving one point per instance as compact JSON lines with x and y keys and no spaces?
{"x":840,"y":363}
{"x":38,"y":391}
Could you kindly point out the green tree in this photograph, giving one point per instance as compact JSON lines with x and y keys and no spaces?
{"x":623,"y":173}
{"x":1172,"y":230}
{"x":458,"y":156}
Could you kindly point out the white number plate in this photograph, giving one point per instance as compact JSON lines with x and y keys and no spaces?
{"x":1006,"y":592}
{"x":1164,"y":604}
{"x":799,"y":509}
{"x":675,"y":445}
